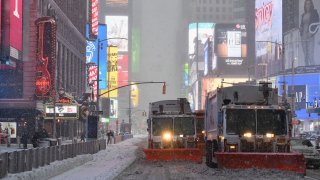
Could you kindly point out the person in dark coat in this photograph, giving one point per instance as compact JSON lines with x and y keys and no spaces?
{"x":82,"y":136}
{"x":109,"y":135}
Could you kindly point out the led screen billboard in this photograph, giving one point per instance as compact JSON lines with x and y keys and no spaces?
{"x":268,"y":27}
{"x":113,"y":108}
{"x":94,"y":17}
{"x":302,"y":44}
{"x":118,"y":31}
{"x":203,"y":31}
{"x":230,"y":50}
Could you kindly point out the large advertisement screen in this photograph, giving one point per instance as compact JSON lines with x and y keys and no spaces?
{"x":302,"y":45}
{"x":268,"y":28}
{"x":112,"y":54}
{"x":16,"y":24}
{"x":118,"y":31}
{"x":230,"y":50}
{"x":203,"y":31}
{"x":94,"y":17}
{"x":9,"y":128}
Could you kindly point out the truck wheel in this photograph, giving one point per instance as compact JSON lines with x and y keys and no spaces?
{"x":209,"y":153}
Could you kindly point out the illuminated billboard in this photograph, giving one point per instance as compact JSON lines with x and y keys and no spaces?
{"x":118,"y":31}
{"x":268,"y":27}
{"x":135,"y":55}
{"x":92,"y":76}
{"x":112,"y":55}
{"x":134,"y":95}
{"x":122,"y":69}
{"x":229,"y":55}
{"x":201,"y":30}
{"x":9,"y":127}
{"x":302,"y":44}
{"x":16,"y":24}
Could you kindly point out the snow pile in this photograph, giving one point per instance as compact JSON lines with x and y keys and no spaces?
{"x":106,"y":164}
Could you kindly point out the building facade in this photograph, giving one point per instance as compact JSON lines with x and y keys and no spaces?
{"x":22,"y":108}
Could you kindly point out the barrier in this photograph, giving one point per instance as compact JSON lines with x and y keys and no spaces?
{"x":293,"y":162}
{"x":3,"y":164}
{"x":26,"y":160}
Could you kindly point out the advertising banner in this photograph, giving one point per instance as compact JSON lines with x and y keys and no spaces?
{"x":9,"y":128}
{"x":122,"y":69}
{"x":112,"y":55}
{"x":16,"y":24}
{"x":302,"y":44}
{"x":118,"y":31}
{"x":92,"y":72}
{"x":230,"y":50}
{"x":201,"y":30}
{"x":268,"y":37}
{"x":134,"y":95}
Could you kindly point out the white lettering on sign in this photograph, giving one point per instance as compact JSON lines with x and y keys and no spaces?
{"x":234,"y":62}
{"x":16,"y":12}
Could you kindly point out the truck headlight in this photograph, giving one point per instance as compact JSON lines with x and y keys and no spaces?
{"x":203,"y":132}
{"x":167,"y":136}
{"x":248,"y":135}
{"x":270,"y":135}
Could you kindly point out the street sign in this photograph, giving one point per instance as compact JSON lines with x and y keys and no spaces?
{"x":62,"y":111}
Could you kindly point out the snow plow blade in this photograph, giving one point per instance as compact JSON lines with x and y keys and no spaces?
{"x":293,"y":162}
{"x":189,"y":154}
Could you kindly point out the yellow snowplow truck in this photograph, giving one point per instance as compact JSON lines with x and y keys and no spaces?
{"x":246,"y":127}
{"x":172,"y":132}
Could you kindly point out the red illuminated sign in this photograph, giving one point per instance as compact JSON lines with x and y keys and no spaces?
{"x":16,"y":24}
{"x":64,"y":100}
{"x":92,"y":79}
{"x":94,"y":20}
{"x":46,"y":50}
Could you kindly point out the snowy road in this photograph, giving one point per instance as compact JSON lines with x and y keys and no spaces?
{"x":106,"y":164}
{"x":142,"y":169}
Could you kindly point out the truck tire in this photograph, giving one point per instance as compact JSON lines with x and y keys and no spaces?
{"x":209,"y":154}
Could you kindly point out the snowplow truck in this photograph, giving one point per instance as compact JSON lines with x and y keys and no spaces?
{"x":246,"y":127}
{"x":172,"y":131}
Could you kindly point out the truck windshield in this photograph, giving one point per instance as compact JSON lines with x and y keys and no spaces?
{"x":271,"y":121}
{"x":160,"y":125}
{"x":184,"y":125}
{"x":240,"y":121}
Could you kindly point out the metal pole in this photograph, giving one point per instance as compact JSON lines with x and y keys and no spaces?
{"x":54,"y":114}
{"x":98,"y":76}
{"x":293,"y":97}
{"x":130,"y":118}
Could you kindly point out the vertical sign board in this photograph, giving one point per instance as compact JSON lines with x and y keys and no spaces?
{"x":134,"y":95}
{"x":122,"y":69}
{"x":92,"y":72}
{"x":94,"y":18}
{"x":46,"y":57}
{"x":16,"y":24}
{"x":112,"y":55}
{"x":103,"y":56}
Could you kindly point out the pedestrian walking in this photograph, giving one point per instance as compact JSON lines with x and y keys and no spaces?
{"x":109,"y":134}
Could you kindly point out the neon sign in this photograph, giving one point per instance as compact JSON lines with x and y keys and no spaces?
{"x":46,"y":50}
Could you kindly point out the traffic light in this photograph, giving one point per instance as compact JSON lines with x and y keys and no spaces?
{"x":164,"y":88}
